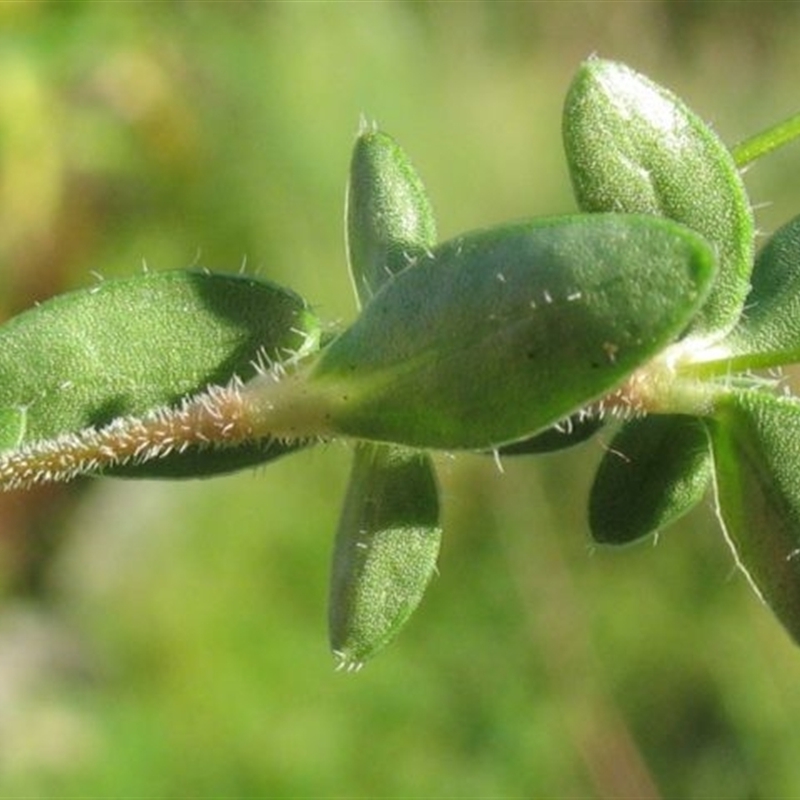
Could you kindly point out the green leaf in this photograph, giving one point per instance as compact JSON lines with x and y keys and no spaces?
{"x":634,"y":146}
{"x":385,"y":551}
{"x":499,"y":334}
{"x":389,"y":217}
{"x":755,"y":439}
{"x":768,"y":333}
{"x":389,"y":223}
{"x":125,"y":347}
{"x":655,"y":470}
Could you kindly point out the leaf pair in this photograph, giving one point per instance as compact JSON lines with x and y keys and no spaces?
{"x":389,"y":532}
{"x":634,"y":146}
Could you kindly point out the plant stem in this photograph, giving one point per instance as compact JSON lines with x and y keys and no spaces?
{"x":766,"y":141}
{"x":661,"y":387}
{"x":268,"y":407}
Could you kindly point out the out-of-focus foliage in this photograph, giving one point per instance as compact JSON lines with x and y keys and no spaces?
{"x":172,"y":641}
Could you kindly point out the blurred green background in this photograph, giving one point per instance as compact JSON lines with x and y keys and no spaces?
{"x":168,"y":639}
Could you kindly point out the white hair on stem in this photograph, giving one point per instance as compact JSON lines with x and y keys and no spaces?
{"x":220,"y":416}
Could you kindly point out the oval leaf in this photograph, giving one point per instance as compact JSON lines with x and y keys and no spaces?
{"x":655,"y":470}
{"x":385,"y":551}
{"x":755,"y":440}
{"x":499,"y":334}
{"x":127,"y":346}
{"x":389,"y":217}
{"x":634,"y":146}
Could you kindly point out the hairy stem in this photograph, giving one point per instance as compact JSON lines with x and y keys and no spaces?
{"x":661,"y":387}
{"x":268,"y":407}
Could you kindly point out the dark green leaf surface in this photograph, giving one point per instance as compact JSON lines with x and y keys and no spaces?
{"x":755,"y":440}
{"x":634,"y":146}
{"x":499,"y":334}
{"x":124,"y":347}
{"x":385,"y":551}
{"x":770,"y":325}
{"x":655,"y":470}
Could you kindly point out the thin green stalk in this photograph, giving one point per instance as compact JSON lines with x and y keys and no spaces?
{"x":766,"y":141}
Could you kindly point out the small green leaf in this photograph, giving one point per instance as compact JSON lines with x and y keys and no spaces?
{"x":655,"y":470}
{"x":385,"y":551}
{"x":125,"y":347}
{"x":634,"y":146}
{"x":768,"y":333}
{"x":499,"y":334}
{"x":755,"y":440}
{"x":389,"y":216}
